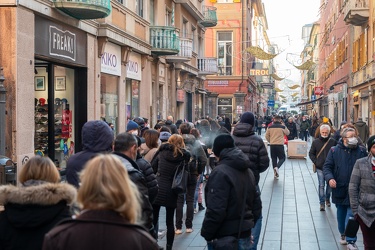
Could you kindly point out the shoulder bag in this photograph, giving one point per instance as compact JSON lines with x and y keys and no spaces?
{"x":231,"y":242}
{"x":321,"y":150}
{"x":180,"y":178}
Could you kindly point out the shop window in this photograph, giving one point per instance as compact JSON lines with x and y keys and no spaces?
{"x":109,"y":100}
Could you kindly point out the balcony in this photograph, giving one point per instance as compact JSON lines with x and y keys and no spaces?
{"x":207,"y":66}
{"x":210,"y":17}
{"x":356,"y":12}
{"x":186,"y":51}
{"x":84,"y":9}
{"x":164,"y":40}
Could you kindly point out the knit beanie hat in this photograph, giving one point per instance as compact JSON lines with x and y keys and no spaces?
{"x":164,"y":136}
{"x":222,"y":141}
{"x":131,"y":126}
{"x":370,"y":142}
{"x":248,"y":117}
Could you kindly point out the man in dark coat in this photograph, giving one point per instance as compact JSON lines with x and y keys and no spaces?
{"x":363,"y":130}
{"x":126,"y":148}
{"x":292,"y":127}
{"x":169,"y":123}
{"x":97,"y":137}
{"x":224,"y":192}
{"x":255,"y":149}
{"x":337,"y":171}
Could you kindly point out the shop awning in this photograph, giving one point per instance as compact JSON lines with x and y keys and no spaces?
{"x":308,"y":102}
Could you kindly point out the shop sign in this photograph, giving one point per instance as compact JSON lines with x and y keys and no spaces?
{"x":134,"y":68}
{"x":111,"y":60}
{"x":259,"y":72}
{"x":217,"y":83}
{"x":224,"y":101}
{"x":60,"y":41}
{"x":180,"y":95}
{"x":318,"y":90}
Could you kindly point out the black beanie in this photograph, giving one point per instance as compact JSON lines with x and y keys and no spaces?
{"x":370,"y":142}
{"x":222,"y":141}
{"x":248,"y":117}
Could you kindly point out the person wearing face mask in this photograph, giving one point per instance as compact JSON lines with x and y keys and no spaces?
{"x":132,"y":128}
{"x":318,"y":154}
{"x":337,"y":170}
{"x":126,"y":148}
{"x":362,"y":194}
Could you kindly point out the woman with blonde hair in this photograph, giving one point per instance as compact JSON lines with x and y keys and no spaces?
{"x":169,"y":156}
{"x":34,"y":207}
{"x":110,"y":212}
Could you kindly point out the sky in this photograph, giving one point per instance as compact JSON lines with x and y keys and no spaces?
{"x":285,"y":20}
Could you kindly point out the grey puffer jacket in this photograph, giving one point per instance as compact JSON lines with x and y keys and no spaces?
{"x":253,"y":146}
{"x":362,"y":190}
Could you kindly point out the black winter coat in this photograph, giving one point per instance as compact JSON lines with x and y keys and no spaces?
{"x":97,"y":137}
{"x":253,"y":146}
{"x":292,"y":127}
{"x":224,"y":193}
{"x":148,"y":172}
{"x":30,"y":212}
{"x":164,"y":165}
{"x":316,"y":146}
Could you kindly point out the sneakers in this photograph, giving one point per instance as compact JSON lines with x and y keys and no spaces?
{"x":276,"y":172}
{"x":322,"y":207}
{"x":343,"y":240}
{"x":189,"y":230}
{"x":328,"y":203}
{"x":178,"y":231}
{"x":351,"y":246}
{"x":195,"y":210}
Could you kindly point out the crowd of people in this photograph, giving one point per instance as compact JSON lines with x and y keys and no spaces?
{"x":118,"y":184}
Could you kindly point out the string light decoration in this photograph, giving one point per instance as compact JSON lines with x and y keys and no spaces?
{"x":259,"y":53}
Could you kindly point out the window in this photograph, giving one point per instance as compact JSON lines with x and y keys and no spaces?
{"x":120,"y":1}
{"x":168,"y":17}
{"x":224,"y":53}
{"x":184,"y":29}
{"x":152,"y":13}
{"x":139,"y":7}
{"x":193,"y":34}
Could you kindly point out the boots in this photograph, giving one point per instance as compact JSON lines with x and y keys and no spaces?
{"x":169,"y":247}
{"x":200,"y":207}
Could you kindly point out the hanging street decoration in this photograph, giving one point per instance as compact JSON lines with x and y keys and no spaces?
{"x":306,"y":65}
{"x":294,"y":86}
{"x":259,"y":53}
{"x":278,"y":90}
{"x":276,"y":77}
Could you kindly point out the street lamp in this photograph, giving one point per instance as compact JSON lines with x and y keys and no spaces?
{"x":2,"y":112}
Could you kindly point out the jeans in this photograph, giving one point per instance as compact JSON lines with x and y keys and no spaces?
{"x":323,"y":196}
{"x":303,"y":135}
{"x":168,"y":220}
{"x":343,"y":214}
{"x":189,"y":197}
{"x":277,"y":152}
{"x":259,"y":131}
{"x":198,"y":191}
{"x":243,"y":244}
{"x":255,"y":231}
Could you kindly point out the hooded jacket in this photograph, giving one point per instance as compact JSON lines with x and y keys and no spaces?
{"x":97,"y":137}
{"x":363,"y":130}
{"x":253,"y":146}
{"x":224,"y":194}
{"x":30,"y":212}
{"x":339,"y":166}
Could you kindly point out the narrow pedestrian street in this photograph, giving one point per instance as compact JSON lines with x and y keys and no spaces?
{"x":291,"y":216}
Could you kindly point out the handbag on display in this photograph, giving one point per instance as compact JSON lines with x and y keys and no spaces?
{"x":180,"y":179}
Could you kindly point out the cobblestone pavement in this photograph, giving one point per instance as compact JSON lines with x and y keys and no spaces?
{"x":292,"y":219}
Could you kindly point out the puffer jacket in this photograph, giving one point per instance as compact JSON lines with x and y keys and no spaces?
{"x":164,"y":165}
{"x":97,"y":137}
{"x":275,"y":134}
{"x":138,"y":179}
{"x":339,"y":166}
{"x":292,"y":127}
{"x":253,"y":146}
{"x":362,"y":190}
{"x":224,"y":193}
{"x":31,"y":211}
{"x":316,"y":146}
{"x":148,"y":173}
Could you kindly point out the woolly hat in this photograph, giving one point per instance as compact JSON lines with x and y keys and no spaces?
{"x":370,"y":143}
{"x":164,"y":136}
{"x":131,"y":126}
{"x":248,"y":117}
{"x":222,"y":141}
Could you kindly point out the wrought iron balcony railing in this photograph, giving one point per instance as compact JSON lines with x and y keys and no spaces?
{"x":164,"y":40}
{"x":84,"y":9}
{"x":210,"y":16}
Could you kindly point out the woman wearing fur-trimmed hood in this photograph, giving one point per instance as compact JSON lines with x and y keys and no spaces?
{"x":32,"y":209}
